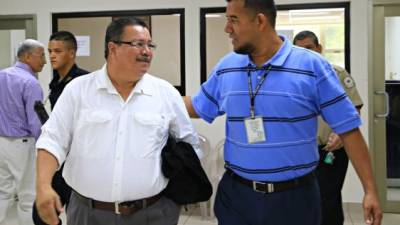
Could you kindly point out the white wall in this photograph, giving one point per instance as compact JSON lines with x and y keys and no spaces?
{"x":4,"y":46}
{"x":166,"y":33}
{"x":9,"y":41}
{"x":16,"y":37}
{"x":392,"y":48}
{"x":359,"y":48}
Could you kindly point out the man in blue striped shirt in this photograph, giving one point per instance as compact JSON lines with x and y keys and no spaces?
{"x":19,"y":129}
{"x":272,"y":93}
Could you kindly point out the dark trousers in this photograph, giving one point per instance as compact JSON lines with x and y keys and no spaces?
{"x":331,"y":179}
{"x":238,"y":204}
{"x":62,"y":189}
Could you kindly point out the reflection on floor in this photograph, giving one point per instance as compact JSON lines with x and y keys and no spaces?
{"x":354,"y":216}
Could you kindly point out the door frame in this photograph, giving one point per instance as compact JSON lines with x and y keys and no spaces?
{"x":27,"y":22}
{"x":378,"y":102}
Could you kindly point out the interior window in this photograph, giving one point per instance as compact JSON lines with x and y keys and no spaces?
{"x":329,"y":21}
{"x":328,"y":24}
{"x":166,"y":27}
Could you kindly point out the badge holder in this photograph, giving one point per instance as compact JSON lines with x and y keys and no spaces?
{"x":254,"y":129}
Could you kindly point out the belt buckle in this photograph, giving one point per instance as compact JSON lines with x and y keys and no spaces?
{"x":117,"y":208}
{"x":270,"y":187}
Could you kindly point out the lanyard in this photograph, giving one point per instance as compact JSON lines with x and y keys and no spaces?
{"x":254,"y":94}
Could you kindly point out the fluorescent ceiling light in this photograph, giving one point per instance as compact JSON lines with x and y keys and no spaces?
{"x":298,"y":11}
{"x":317,"y":18}
{"x":213,"y":16}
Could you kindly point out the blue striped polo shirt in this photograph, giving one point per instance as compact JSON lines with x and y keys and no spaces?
{"x":299,"y":86}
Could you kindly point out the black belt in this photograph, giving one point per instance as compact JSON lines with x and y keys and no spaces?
{"x":270,"y":187}
{"x":123,"y":208}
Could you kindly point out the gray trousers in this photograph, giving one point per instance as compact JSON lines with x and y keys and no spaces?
{"x":163,"y":212}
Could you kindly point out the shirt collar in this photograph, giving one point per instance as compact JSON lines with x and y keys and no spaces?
{"x":25,"y":66}
{"x":143,"y":86}
{"x":280,"y":56}
{"x":70,"y":75}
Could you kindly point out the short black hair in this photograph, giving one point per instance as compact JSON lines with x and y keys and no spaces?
{"x":116,"y":28}
{"x":266,"y":7}
{"x":306,"y":34}
{"x":66,"y":37}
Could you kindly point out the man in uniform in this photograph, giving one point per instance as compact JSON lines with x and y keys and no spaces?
{"x":272,"y":94}
{"x":62,"y":52}
{"x":333,"y":161}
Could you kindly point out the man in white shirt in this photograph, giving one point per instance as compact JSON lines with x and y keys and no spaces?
{"x":110,"y":130}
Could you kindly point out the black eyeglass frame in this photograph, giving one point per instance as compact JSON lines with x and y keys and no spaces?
{"x":138,"y":44}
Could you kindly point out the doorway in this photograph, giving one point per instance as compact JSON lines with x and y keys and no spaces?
{"x":13,"y":30}
{"x":385,"y":102}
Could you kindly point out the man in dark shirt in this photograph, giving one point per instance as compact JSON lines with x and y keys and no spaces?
{"x":62,"y":52}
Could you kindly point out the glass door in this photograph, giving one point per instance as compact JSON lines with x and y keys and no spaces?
{"x":386,"y":103}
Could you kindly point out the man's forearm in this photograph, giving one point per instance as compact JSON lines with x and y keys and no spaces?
{"x":189,"y":107}
{"x":357,"y":152}
{"x":47,"y":165}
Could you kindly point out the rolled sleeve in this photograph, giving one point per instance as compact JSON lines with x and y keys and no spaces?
{"x":46,"y":142}
{"x":181,"y":126}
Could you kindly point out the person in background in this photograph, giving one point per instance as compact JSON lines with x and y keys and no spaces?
{"x":19,"y":129}
{"x":333,"y":160}
{"x":272,"y":94}
{"x":62,"y":49}
{"x":62,"y":53}
{"x":110,"y":127}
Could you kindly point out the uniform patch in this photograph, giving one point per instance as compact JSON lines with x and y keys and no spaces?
{"x":348,"y":82}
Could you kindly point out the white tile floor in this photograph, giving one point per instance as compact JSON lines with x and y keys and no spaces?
{"x":354,"y":216}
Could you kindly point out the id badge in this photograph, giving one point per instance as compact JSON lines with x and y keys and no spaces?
{"x":255,"y":129}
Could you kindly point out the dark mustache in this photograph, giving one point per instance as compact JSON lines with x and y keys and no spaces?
{"x":143,"y":58}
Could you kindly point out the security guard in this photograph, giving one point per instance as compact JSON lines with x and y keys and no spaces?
{"x":333,"y":158}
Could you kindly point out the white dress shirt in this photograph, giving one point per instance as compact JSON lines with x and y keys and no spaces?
{"x":113,"y":147}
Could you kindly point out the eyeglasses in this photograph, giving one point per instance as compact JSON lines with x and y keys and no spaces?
{"x":138,"y":44}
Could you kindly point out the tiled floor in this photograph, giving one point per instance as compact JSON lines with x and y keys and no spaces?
{"x":354,"y":216}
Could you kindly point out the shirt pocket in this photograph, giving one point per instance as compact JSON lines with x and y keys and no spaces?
{"x":152,"y":132}
{"x":93,"y":133}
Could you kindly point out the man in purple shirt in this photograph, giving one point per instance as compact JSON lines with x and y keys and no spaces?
{"x":19,"y":129}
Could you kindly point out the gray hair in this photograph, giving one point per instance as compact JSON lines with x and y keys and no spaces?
{"x":28,"y":46}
